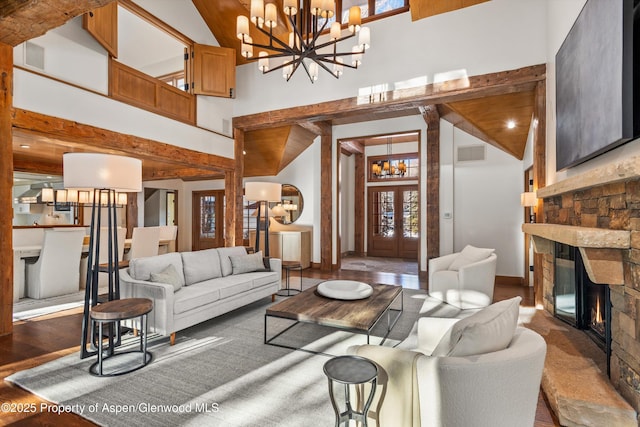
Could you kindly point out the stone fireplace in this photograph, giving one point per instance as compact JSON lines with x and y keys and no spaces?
{"x":598,"y":214}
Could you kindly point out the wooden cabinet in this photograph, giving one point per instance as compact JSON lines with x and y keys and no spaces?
{"x":287,"y":245}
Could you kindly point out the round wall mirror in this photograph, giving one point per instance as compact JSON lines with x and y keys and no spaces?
{"x":290,"y":209}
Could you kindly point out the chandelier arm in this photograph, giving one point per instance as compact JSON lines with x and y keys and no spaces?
{"x":298,"y":33}
{"x":336,"y":41}
{"x":321,"y":63}
{"x":306,"y":69}
{"x":271,"y":39}
{"x":330,"y":61}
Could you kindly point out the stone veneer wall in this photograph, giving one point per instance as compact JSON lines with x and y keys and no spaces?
{"x":617,"y":207}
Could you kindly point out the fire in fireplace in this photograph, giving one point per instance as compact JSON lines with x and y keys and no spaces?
{"x":577,"y":300}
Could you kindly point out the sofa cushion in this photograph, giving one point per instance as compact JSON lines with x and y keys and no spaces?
{"x":194,"y":296}
{"x":261,"y":278}
{"x":169,"y":276}
{"x":200,"y":266}
{"x":225,"y":262}
{"x":490,"y":329}
{"x":141,"y":268}
{"x":469,"y":255}
{"x":229,"y":286}
{"x":247,"y":263}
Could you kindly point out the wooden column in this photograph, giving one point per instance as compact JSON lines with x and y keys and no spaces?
{"x":432,"y":117}
{"x":6,"y":185}
{"x":539,"y":175}
{"x":233,"y":193}
{"x":358,"y":201}
{"x":326,"y":200}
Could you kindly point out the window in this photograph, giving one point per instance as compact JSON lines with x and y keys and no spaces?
{"x":371,"y":9}
{"x":394,"y":167}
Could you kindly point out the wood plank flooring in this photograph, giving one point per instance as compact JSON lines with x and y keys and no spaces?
{"x":39,"y":340}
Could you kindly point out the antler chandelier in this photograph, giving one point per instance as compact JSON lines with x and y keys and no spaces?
{"x":308,"y":19}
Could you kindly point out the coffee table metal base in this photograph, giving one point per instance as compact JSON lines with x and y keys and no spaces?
{"x":391,"y":322}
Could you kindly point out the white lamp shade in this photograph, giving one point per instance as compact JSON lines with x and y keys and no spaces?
{"x":97,"y":170}
{"x":72,"y":196}
{"x":528,"y":199}
{"x":263,"y":191}
{"x":61,"y":196}
{"x":47,"y":195}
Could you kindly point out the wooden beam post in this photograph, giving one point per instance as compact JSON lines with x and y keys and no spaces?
{"x":233,"y":191}
{"x":358,"y":201}
{"x":432,"y":117}
{"x":6,"y":186}
{"x":326,"y":200}
{"x":539,"y":176}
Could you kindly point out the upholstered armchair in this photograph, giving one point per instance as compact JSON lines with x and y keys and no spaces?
{"x":485,"y":372}
{"x":464,"y":279}
{"x":57,"y":270}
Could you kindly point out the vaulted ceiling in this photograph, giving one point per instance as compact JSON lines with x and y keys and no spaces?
{"x":269,"y":150}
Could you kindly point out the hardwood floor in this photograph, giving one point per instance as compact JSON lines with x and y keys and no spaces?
{"x":39,"y":340}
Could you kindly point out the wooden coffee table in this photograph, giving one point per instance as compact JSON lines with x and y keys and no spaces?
{"x":354,"y":315}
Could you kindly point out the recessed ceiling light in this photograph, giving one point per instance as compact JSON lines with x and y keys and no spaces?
{"x":244,"y":152}
{"x":511,"y":124}
{"x":25,"y":146}
{"x":49,"y":177}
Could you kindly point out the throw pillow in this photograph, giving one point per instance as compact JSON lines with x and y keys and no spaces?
{"x":469,"y":255}
{"x":168,"y":276}
{"x":247,"y":263}
{"x":490,"y":329}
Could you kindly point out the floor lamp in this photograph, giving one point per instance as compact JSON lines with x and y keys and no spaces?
{"x":263,"y":192}
{"x":101,"y":175}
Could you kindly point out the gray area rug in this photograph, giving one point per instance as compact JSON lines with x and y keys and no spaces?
{"x":218,"y":373}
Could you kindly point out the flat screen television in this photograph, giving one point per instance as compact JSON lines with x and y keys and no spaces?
{"x":597,"y":104}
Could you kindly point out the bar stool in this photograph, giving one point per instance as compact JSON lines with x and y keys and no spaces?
{"x":288,"y":266}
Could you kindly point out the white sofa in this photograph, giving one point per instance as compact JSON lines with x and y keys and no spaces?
{"x":190,"y":287}
{"x":487,"y":373}
{"x":464,"y":279}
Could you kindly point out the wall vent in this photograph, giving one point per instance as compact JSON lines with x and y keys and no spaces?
{"x":471,"y":153}
{"x":34,"y":55}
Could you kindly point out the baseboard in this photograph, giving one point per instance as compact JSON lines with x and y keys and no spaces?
{"x":510,"y":280}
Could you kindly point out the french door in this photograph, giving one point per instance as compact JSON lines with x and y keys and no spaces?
{"x":393,"y":223}
{"x":208,"y":219}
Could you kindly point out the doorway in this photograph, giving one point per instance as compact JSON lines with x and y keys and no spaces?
{"x":208,"y":219}
{"x":392,"y":214}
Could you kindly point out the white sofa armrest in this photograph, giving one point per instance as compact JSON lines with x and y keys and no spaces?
{"x":479,"y":276}
{"x":276,"y":266}
{"x":441,"y":263}
{"x":161,"y":317}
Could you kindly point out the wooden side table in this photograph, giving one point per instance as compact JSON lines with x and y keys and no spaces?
{"x":113,"y":312}
{"x":288,"y":266}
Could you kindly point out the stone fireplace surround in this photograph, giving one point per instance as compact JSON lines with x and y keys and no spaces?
{"x":599,"y":212}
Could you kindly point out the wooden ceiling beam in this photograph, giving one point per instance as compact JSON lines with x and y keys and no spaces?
{"x":352,"y":147}
{"x":185,"y":174}
{"x":511,"y":81}
{"x":22,"y":20}
{"x":86,"y":136}
{"x":30,"y":166}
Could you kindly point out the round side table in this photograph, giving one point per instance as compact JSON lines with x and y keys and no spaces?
{"x":288,"y":266}
{"x":351,"y":370}
{"x":113,"y":312}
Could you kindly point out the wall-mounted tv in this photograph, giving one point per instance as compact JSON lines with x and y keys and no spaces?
{"x":597,"y":104}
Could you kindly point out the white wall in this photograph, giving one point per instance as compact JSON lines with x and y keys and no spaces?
{"x":487,"y":211}
{"x":492,"y":36}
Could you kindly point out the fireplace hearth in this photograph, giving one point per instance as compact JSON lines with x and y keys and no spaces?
{"x":578,"y":301}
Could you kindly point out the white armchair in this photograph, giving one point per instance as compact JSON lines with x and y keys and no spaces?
{"x":464,"y":279}
{"x":464,"y":384}
{"x":57,"y":270}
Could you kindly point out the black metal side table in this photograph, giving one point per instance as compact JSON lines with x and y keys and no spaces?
{"x":288,"y":266}
{"x":113,"y":312}
{"x":351,"y":370}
